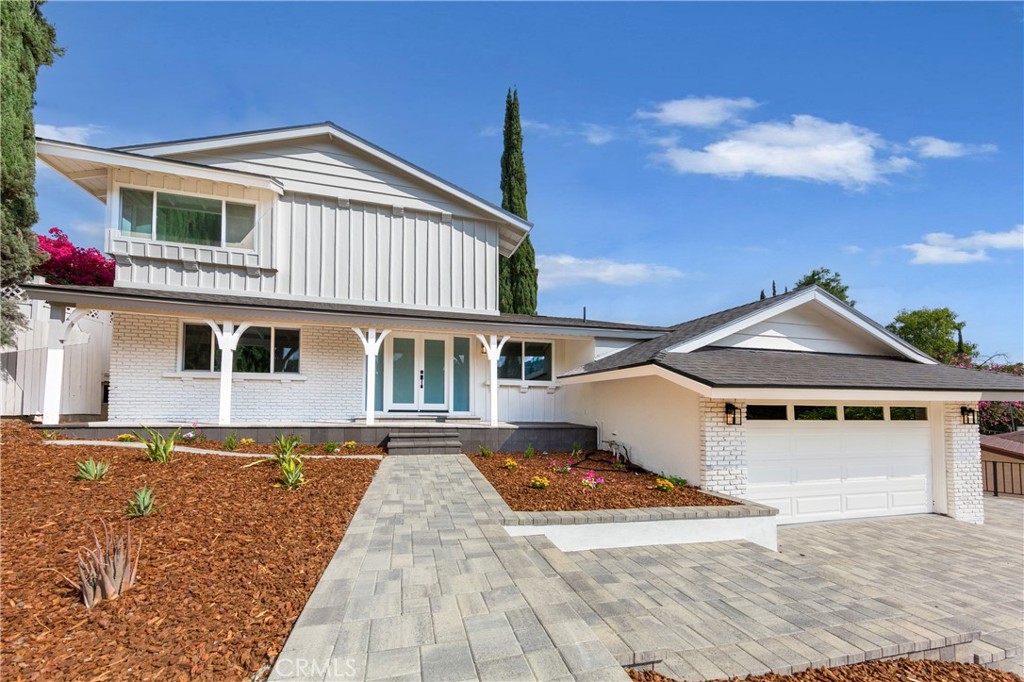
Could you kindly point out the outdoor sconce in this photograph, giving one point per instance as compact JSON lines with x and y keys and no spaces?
{"x":968,"y":415}
{"x":733,"y":415}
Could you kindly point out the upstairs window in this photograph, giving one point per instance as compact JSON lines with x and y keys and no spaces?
{"x":525,"y":361}
{"x":260,"y":350}
{"x":186,"y":219}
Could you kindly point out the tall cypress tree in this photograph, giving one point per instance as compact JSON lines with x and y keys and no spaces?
{"x":517,"y":275}
{"x":29,"y":41}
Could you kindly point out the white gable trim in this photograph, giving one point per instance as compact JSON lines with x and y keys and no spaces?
{"x":108,"y":158}
{"x":522,"y":227}
{"x":813,"y":294}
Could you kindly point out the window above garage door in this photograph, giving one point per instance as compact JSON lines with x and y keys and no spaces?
{"x":778,"y":412}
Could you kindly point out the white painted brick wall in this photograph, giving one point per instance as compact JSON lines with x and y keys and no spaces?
{"x":964,"y":486}
{"x":144,"y":356}
{"x":723,"y":449}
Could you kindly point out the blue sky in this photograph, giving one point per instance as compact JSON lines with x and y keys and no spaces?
{"x":680,"y":156}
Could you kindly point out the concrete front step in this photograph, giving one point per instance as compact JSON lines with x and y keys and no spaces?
{"x":426,"y":442}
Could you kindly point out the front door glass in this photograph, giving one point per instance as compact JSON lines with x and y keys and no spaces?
{"x":403,"y":372}
{"x":433,"y":373}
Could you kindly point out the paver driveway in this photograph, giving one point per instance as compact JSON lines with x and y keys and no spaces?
{"x":427,"y":585}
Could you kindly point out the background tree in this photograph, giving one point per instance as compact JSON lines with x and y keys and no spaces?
{"x":517,"y":275}
{"x":28,"y":41}
{"x":936,"y":331}
{"x":762,"y":295}
{"x":832,"y":282}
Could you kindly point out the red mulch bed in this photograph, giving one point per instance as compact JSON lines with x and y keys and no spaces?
{"x":268,"y":448}
{"x":621,"y":490}
{"x":896,"y":670}
{"x":226,"y":564}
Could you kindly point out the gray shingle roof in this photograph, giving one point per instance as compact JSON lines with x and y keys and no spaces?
{"x":54,"y":291}
{"x":750,"y":368}
{"x":644,"y":353}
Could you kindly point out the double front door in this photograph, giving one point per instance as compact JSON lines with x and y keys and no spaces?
{"x":416,"y":372}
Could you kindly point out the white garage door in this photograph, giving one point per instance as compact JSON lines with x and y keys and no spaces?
{"x":816,"y":471}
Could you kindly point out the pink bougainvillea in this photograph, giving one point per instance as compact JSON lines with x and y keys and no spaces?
{"x":70,"y":264}
{"x":995,"y":417}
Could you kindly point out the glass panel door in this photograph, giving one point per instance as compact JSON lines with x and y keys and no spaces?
{"x":433,"y":374}
{"x":403,"y":373}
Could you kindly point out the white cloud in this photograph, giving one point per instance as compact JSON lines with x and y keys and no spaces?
{"x":807,"y":148}
{"x":698,"y":112}
{"x":564,"y":270}
{"x":942,"y":248}
{"x":76,"y":134}
{"x":852,"y":249}
{"x":597,"y":135}
{"x":936,"y":148}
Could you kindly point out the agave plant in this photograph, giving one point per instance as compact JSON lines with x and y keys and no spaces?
{"x":109,"y":568}
{"x":291,"y":474}
{"x":159,"y":447}
{"x":91,"y":470}
{"x":141,"y":503}
{"x":286,"y":448}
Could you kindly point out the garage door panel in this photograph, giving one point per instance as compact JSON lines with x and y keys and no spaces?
{"x":820,"y":471}
{"x":867,"y":469}
{"x":860,"y":502}
{"x":818,"y":504}
{"x":817,"y":471}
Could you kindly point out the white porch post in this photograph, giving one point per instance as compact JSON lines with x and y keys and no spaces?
{"x":53,"y":381}
{"x":227,"y":340}
{"x":371,"y":346}
{"x":493,"y":348}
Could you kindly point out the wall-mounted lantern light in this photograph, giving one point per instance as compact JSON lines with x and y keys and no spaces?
{"x":968,"y":415}
{"x":733,"y":415}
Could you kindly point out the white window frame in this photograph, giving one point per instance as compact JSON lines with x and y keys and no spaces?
{"x":529,"y":382}
{"x":180,"y":366}
{"x":118,"y":186}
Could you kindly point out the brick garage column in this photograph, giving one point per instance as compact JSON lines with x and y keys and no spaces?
{"x":964,"y":488}
{"x":723,"y":449}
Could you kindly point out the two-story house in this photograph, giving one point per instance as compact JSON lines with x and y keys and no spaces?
{"x":305,"y":278}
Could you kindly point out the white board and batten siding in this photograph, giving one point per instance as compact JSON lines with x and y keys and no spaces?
{"x":806,"y":329}
{"x":348,"y":228}
{"x":360,"y":252}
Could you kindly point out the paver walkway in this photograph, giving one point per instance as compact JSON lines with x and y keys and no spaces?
{"x":427,"y":585}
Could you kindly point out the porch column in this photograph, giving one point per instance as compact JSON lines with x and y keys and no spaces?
{"x":227,"y":340}
{"x":53,"y":380}
{"x":965,"y":497}
{"x":493,"y":348}
{"x":371,"y":346}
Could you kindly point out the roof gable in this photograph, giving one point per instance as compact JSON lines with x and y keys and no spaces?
{"x":808,"y":320}
{"x":325,"y":159}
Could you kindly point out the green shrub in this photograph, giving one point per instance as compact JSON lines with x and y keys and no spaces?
{"x":577,"y":449}
{"x":676,"y":481}
{"x":332,"y":447}
{"x":141,"y":503}
{"x":530,"y":452}
{"x":291,"y":474}
{"x":286,"y":447}
{"x":231,"y":442}
{"x":51,"y":435}
{"x":91,"y":470}
{"x":485,"y":451}
{"x":159,"y":448}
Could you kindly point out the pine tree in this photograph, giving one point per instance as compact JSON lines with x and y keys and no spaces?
{"x":774,"y":294}
{"x":517,"y":275}
{"x":762,"y":295}
{"x":29,"y":41}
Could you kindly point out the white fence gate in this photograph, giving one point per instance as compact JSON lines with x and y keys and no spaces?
{"x":86,"y":364}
